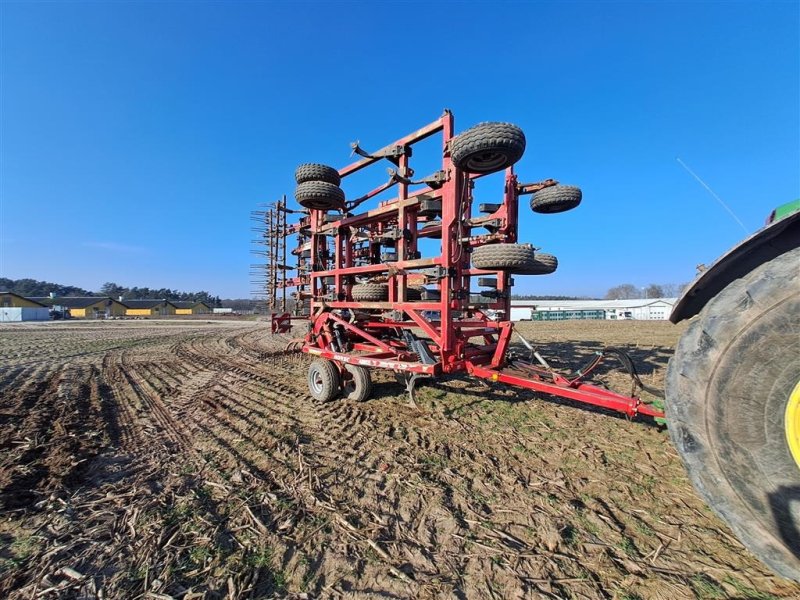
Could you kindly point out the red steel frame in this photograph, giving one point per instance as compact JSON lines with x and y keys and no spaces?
{"x":464,"y":337}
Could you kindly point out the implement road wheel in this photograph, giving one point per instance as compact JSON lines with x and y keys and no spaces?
{"x":487,"y":147}
{"x":733,"y":409}
{"x":356,"y":383}
{"x":316,"y":172}
{"x":556,"y":199}
{"x":319,"y":195}
{"x":370,"y":292}
{"x":514,"y":258}
{"x":324,"y":382}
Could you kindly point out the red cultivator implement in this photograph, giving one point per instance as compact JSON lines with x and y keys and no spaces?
{"x":421,"y":283}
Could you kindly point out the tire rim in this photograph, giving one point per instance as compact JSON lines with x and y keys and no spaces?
{"x":316,"y":382}
{"x":487,"y":162}
{"x":792,"y":423}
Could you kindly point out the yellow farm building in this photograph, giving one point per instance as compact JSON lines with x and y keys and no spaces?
{"x":191,"y":308}
{"x":149,"y":308}
{"x":12,"y":300}
{"x":85,"y":307}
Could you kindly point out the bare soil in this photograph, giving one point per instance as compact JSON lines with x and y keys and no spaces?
{"x":186,"y":460}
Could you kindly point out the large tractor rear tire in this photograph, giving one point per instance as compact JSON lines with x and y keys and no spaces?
{"x":733,"y":409}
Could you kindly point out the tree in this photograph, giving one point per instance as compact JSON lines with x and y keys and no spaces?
{"x":32,"y":287}
{"x":673,"y":290}
{"x":626,"y":291}
{"x":654,"y":291}
{"x":113,"y":290}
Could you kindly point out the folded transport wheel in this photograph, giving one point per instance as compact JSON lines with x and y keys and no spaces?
{"x":316,"y":172}
{"x":556,"y":199}
{"x":370,"y":292}
{"x":319,"y":195}
{"x":487,"y":147}
{"x":733,"y":409}
{"x":356,"y":383}
{"x":521,"y":259}
{"x":324,"y":382}
{"x":433,"y":225}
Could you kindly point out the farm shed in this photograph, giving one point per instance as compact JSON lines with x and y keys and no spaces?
{"x":15,"y":308}
{"x":521,"y":310}
{"x":16,"y":315}
{"x":149,"y":308}
{"x":85,"y":307}
{"x":12,"y":300}
{"x":191,"y":308}
{"x":642,"y":309}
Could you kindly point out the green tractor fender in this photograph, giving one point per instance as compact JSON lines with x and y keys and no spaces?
{"x":778,"y":237}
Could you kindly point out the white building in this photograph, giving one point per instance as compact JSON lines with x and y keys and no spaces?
{"x":19,"y":314}
{"x":642,"y":309}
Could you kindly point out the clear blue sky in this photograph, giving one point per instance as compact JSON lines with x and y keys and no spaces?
{"x":137,"y":137}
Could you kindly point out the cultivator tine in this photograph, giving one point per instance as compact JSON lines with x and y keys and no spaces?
{"x":411,"y":384}
{"x":294,"y":346}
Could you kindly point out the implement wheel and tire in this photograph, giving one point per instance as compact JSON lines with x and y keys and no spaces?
{"x":370,"y":292}
{"x":356,"y":383}
{"x":324,"y":382}
{"x":317,"y":172}
{"x":379,"y":292}
{"x":733,"y":409}
{"x":556,"y":199}
{"x":319,"y":195}
{"x":487,"y":147}
{"x":521,"y":259}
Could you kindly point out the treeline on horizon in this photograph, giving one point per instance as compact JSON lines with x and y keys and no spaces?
{"x":32,"y":287}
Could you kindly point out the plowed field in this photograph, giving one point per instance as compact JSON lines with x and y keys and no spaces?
{"x":186,"y":460}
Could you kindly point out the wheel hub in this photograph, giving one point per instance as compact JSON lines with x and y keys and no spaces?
{"x":316,"y":382}
{"x":792,"y":423}
{"x":487,"y":161}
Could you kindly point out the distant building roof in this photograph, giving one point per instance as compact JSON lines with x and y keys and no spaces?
{"x":593,"y":304}
{"x":6,"y":292}
{"x":188,"y":303}
{"x":70,"y":301}
{"x":151,"y":303}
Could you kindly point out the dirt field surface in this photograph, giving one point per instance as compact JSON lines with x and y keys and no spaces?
{"x":186,"y":460}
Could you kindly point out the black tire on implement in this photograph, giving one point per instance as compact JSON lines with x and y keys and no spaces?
{"x":356,"y":383}
{"x":728,"y":387}
{"x":317,"y":172}
{"x":324,"y":382}
{"x":319,"y":195}
{"x":370,"y":292}
{"x":556,"y":199}
{"x":521,"y":259}
{"x":488,"y":147}
{"x":432,"y":224}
